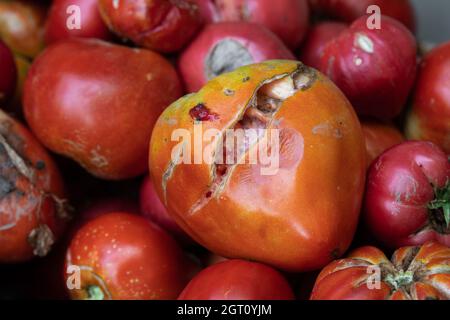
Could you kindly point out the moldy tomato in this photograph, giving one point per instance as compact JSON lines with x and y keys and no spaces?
{"x":429,"y":118}
{"x":407,"y":198}
{"x":238,"y":280}
{"x":98,"y":106}
{"x":415,"y":273}
{"x":32,"y":206}
{"x":124,"y":256}
{"x":309,"y":195}
{"x":223,"y":47}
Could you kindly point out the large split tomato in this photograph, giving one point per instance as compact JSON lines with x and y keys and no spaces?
{"x":414,"y":273}
{"x":296,"y":211}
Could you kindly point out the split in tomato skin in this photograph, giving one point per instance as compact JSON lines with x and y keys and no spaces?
{"x":123,"y":256}
{"x":407,"y":200}
{"x":238,"y":280}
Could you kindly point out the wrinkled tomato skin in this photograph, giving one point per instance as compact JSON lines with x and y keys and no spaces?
{"x":429,"y":118}
{"x":22,"y":26}
{"x":92,"y":25}
{"x":379,"y":137}
{"x":238,"y":280}
{"x":415,"y":273}
{"x":8,"y":71}
{"x":257,"y":216}
{"x":31,"y":196}
{"x":400,"y":186}
{"x":161,"y":25}
{"x":375,"y":68}
{"x":127,"y":257}
{"x":318,"y":37}
{"x":350,"y":10}
{"x":98,"y":106}
{"x":259,"y":43}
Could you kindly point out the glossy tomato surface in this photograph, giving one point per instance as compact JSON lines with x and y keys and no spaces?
{"x":258,"y":209}
{"x":414,"y":273}
{"x":238,"y":280}
{"x":96,"y":103}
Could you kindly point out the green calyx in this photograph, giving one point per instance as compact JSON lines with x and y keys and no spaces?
{"x":95,"y":293}
{"x":441,"y":202}
{"x":400,"y":279}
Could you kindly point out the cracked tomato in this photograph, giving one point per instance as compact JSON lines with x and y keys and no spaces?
{"x":262,"y":158}
{"x":414,"y":273}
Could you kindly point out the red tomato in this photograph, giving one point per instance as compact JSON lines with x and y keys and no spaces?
{"x":8,"y":74}
{"x":223,"y":47}
{"x":238,"y":280}
{"x":429,"y":118}
{"x":415,"y":273}
{"x":33,"y":210}
{"x":91,"y":24}
{"x":124,"y":256}
{"x":407,"y":198}
{"x":375,"y":68}
{"x":96,"y":103}
{"x":379,"y":137}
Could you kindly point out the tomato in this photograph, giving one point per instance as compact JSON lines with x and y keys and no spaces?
{"x":415,"y":273}
{"x":8,"y":73}
{"x":407,"y":198}
{"x":33,"y":208}
{"x":375,"y":68}
{"x":379,"y":138}
{"x":350,"y":10}
{"x":288,"y":19}
{"x":316,"y":40}
{"x":429,"y":118}
{"x":23,"y":66}
{"x":21,"y":26}
{"x":98,"y":106}
{"x":238,"y":280}
{"x":256,"y":209}
{"x":223,"y":47}
{"x":161,"y":25}
{"x":62,"y":18}
{"x":124,"y":256}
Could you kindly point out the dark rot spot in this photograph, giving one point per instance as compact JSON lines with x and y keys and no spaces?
{"x":6,"y":187}
{"x":40,"y":165}
{"x":208,"y":194}
{"x":335,"y":253}
{"x":201,"y":113}
{"x":246,"y":79}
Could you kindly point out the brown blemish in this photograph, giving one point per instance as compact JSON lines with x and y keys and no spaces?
{"x":201,"y":113}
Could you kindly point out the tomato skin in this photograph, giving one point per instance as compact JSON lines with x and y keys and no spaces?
{"x":350,"y":10}
{"x":92,"y":25}
{"x":197,"y":61}
{"x":8,"y":71}
{"x":400,"y":186}
{"x":429,"y":118}
{"x":153,"y":24}
{"x":33,"y":209}
{"x":379,"y":137}
{"x":126,"y":257}
{"x":68,"y":98}
{"x":415,"y":273}
{"x":238,"y":280}
{"x":22,"y":27}
{"x":318,"y":37}
{"x":257,"y":216}
{"x":375,"y":69}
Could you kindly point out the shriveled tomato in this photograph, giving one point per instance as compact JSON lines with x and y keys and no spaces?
{"x":8,"y":74}
{"x":407,"y":198}
{"x":124,"y":256}
{"x":350,"y":10}
{"x":414,"y":273}
{"x":223,"y":47}
{"x":379,"y":137}
{"x":96,"y":103}
{"x":33,"y":210}
{"x":375,"y":68}
{"x":160,"y":25}
{"x":257,"y":209}
{"x":22,"y":25}
{"x":429,"y":118}
{"x":64,"y":15}
{"x":238,"y":280}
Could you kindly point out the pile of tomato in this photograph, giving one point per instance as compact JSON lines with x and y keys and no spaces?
{"x":100,"y":200}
